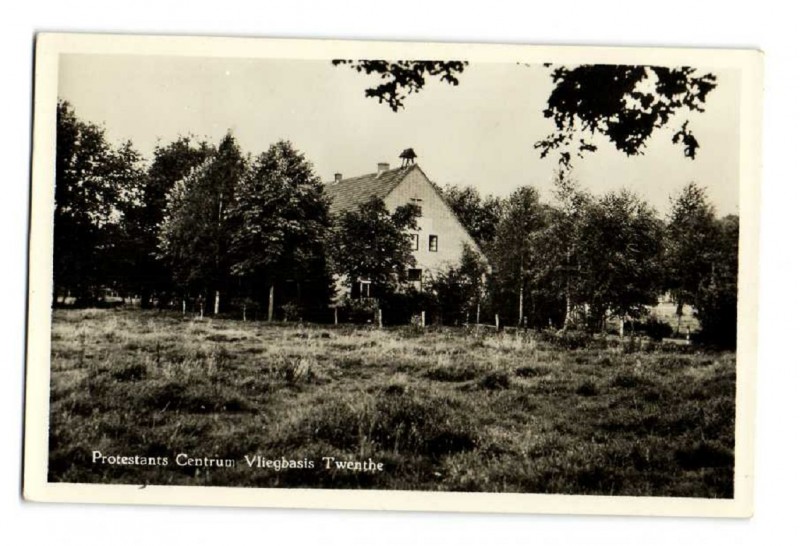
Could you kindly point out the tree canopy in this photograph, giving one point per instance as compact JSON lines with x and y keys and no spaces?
{"x":478,"y":215}
{"x":372,"y":243}
{"x":691,"y":244}
{"x":94,"y":181}
{"x":195,"y":236}
{"x":281,"y":222}
{"x":400,"y":79}
{"x":624,"y":104}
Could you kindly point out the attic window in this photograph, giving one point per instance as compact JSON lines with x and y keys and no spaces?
{"x":433,"y":243}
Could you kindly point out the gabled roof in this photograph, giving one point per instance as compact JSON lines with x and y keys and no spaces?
{"x":350,"y":193}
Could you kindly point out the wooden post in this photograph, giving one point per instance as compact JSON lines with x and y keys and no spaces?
{"x":380,"y":318}
{"x":244,"y":312}
{"x":478,"y":315}
{"x":183,"y":305}
{"x":271,"y":304}
{"x":423,"y":319}
{"x":336,"y":315}
{"x":497,"y":321}
{"x":621,"y":327}
{"x":216,"y":302}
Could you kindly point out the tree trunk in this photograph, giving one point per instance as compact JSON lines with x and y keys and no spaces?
{"x":145,"y":298}
{"x":521,"y":308}
{"x":271,"y":304}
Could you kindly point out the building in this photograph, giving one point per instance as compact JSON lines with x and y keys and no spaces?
{"x":441,"y":237}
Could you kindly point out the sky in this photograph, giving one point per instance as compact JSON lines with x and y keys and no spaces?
{"x":479,"y":133}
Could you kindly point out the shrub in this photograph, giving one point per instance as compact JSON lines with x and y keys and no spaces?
{"x":532,"y":371}
{"x":587,"y":388}
{"x":568,"y":339}
{"x":496,"y":380}
{"x":458,"y":372}
{"x":134,"y":371}
{"x":653,"y":328}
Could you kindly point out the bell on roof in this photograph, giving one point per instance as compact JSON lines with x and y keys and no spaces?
{"x":408,"y":156}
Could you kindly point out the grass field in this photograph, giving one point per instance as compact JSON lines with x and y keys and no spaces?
{"x":440,"y":409}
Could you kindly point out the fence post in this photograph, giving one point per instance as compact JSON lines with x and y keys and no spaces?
{"x":336,"y":315}
{"x":380,"y":318}
{"x":478,"y":315}
{"x":423,"y":319}
{"x":497,"y":321}
{"x":183,"y":306}
{"x":216,"y":302}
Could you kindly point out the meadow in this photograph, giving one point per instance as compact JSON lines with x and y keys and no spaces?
{"x":441,"y":409}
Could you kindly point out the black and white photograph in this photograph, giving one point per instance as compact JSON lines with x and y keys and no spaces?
{"x":310,"y":267}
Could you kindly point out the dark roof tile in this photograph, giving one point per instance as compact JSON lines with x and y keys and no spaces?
{"x":350,"y":193}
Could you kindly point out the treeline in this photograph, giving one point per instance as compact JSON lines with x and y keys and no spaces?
{"x":586,"y":258}
{"x":203,"y":226}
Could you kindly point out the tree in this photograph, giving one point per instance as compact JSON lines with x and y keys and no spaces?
{"x":403,"y":78}
{"x":716,"y":299}
{"x":148,"y":273}
{"x":692,"y":242}
{"x":126,"y":171}
{"x":618,"y":256}
{"x":195,"y":236}
{"x":372,"y":244}
{"x":479,"y":216}
{"x":460,"y":289}
{"x":92,"y":181}
{"x":563,"y":236}
{"x":514,"y":254}
{"x":281,"y":223}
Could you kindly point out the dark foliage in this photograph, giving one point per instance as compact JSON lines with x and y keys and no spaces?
{"x":400,"y":79}
{"x":625,"y":104}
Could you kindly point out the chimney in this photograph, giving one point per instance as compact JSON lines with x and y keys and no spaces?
{"x":337,"y":177}
{"x":382,"y":168}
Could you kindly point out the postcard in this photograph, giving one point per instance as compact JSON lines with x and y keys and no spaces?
{"x":393,"y":276}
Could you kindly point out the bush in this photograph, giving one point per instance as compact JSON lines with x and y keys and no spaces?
{"x":587,"y":388}
{"x":653,"y":328}
{"x":496,"y":380}
{"x":455,"y":373}
{"x":568,"y":339}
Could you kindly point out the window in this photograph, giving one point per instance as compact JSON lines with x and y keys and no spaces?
{"x":414,"y":275}
{"x":414,"y":241}
{"x":433,"y":243}
{"x":361,"y":290}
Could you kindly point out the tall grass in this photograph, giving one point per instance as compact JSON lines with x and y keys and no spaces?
{"x":442,"y":409}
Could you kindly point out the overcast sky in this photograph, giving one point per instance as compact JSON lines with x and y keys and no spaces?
{"x":479,"y":133}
